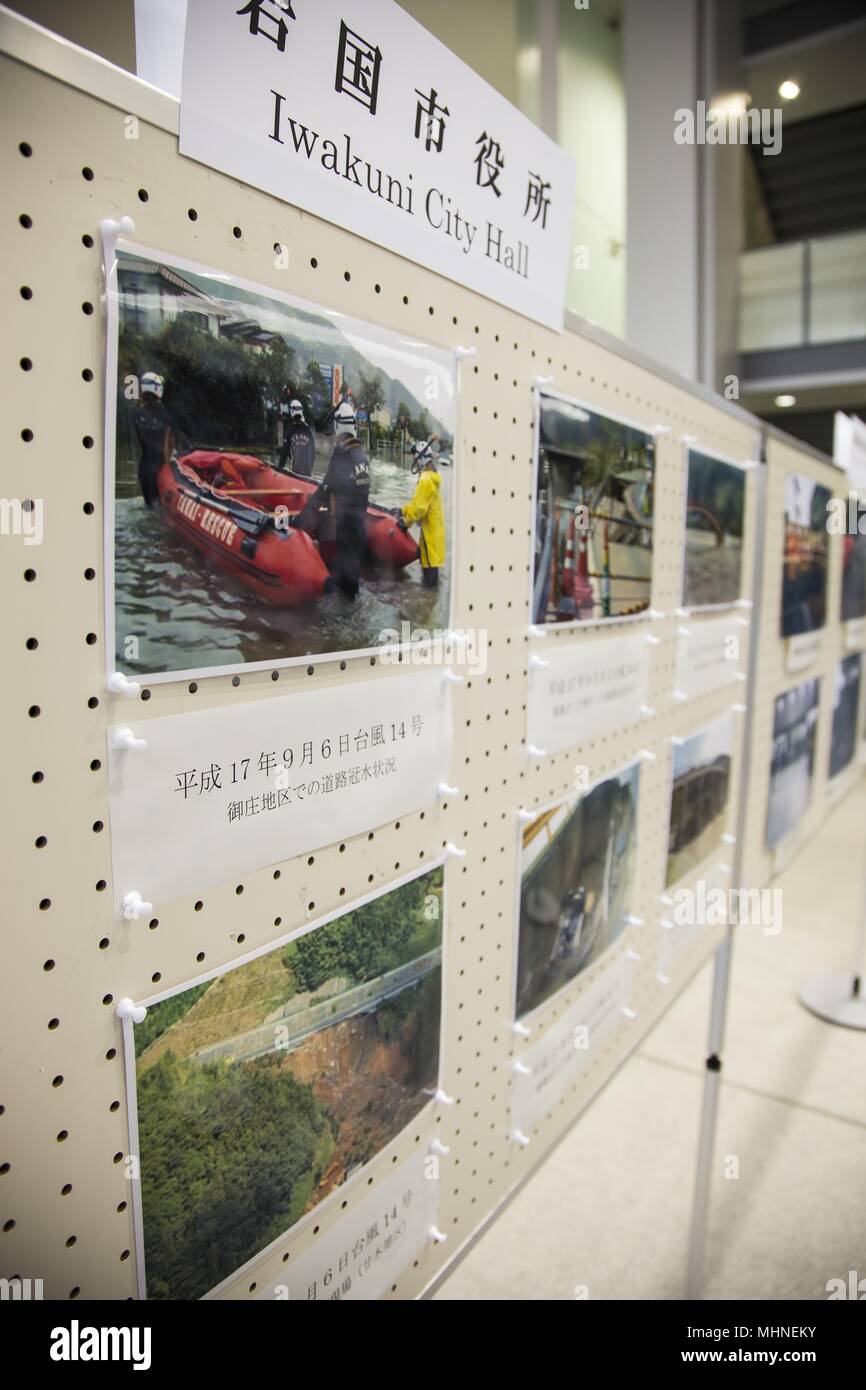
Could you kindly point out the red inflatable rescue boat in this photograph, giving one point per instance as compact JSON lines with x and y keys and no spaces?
{"x":234,"y":508}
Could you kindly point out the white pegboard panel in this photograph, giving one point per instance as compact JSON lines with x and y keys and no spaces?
{"x":71,"y":157}
{"x":773,"y":677}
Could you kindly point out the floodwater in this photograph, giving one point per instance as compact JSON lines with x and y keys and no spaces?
{"x":186,"y":614}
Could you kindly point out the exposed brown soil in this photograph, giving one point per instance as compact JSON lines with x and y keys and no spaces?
{"x":364,"y":1084}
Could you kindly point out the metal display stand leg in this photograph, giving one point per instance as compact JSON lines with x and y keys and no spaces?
{"x":841,"y":998}
{"x":722,"y":971}
{"x":709,"y":1113}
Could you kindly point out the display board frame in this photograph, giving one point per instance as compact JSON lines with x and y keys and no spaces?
{"x":88,"y":142}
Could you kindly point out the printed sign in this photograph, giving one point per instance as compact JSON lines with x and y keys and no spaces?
{"x":552,"y":1063}
{"x":693,"y":908}
{"x":849,"y":448}
{"x":580,"y":692}
{"x":802,"y":651}
{"x":356,"y":113}
{"x":362,"y":1255}
{"x":223,"y":792}
{"x":708,"y":655}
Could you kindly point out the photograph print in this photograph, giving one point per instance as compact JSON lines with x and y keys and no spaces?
{"x":715,"y":509}
{"x":795,"y":721}
{"x":846,"y":710}
{"x":280,"y":475}
{"x":577,"y":867}
{"x":804,"y":567}
{"x":593,"y":539}
{"x":262,"y":1090}
{"x":853,"y":576}
{"x":700,"y":795}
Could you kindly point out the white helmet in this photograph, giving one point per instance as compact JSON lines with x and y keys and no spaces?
{"x":296,"y":410}
{"x":153,"y":383}
{"x":344,"y":418}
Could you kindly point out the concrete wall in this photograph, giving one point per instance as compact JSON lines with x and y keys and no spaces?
{"x":660,"y":47}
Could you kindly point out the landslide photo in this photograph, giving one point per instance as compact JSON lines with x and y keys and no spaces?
{"x":262,"y":1090}
{"x":593,"y":544}
{"x":715,"y":507}
{"x":577,"y":874}
{"x":281,"y":475}
{"x":804,"y":568}
{"x":699,"y":798}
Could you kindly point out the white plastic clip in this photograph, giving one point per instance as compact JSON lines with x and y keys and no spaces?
{"x":647,"y":711}
{"x":666,"y":924}
{"x":688,"y":439}
{"x":112,"y":228}
{"x":522,"y":1069}
{"x":127,"y":1008}
{"x":119,"y":684}
{"x":739,"y":709}
{"x":744,"y":603}
{"x":679,"y":695}
{"x":660,"y":429}
{"x":441,"y":1096}
{"x":465,"y":352}
{"x":521,"y":1030}
{"x":632,"y":955}
{"x":544,"y":381}
{"x":536,"y":631}
{"x":684,"y":631}
{"x":125,"y":738}
{"x":525,"y":817}
{"x":535,"y":752}
{"x":536,"y":660}
{"x":627,"y":1012}
{"x":134,"y":907}
{"x":666,"y":899}
{"x":437,"y":1147}
{"x":725,"y":869}
{"x":632,"y":921}
{"x":652,"y":641}
{"x":647,"y":755}
{"x":520,"y":1138}
{"x":437,"y":1235}
{"x":729,"y":839}
{"x":683,"y":612}
{"x":656,"y":614}
{"x":452,"y":678}
{"x":453,"y":852}
{"x":444,"y":790}
{"x":663,"y":979}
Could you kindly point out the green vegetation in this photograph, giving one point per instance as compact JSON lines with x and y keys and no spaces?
{"x":160,"y":1017}
{"x":370,"y":941}
{"x":231,"y":1155}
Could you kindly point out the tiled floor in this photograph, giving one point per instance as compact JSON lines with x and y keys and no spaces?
{"x":610,"y":1208}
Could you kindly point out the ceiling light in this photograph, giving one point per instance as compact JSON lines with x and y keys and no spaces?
{"x":789,"y":89}
{"x":729,"y":104}
{"x":784,"y":401}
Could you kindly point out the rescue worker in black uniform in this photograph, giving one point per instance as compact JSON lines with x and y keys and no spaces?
{"x":299,"y":444}
{"x":156,"y":434}
{"x":344,"y":491}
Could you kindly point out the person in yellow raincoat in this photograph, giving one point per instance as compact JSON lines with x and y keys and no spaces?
{"x":427,"y":509}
